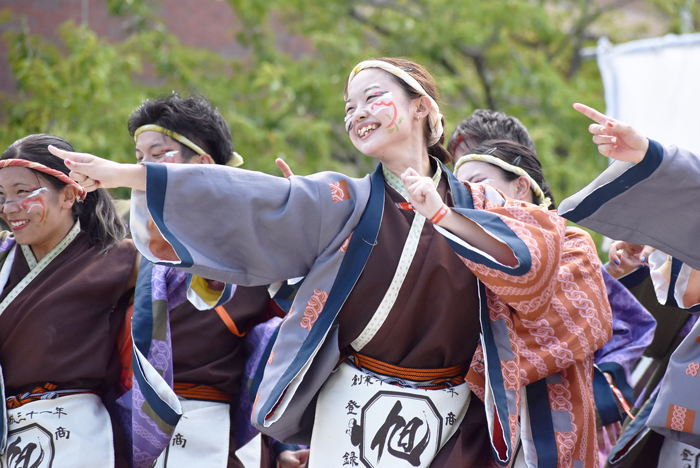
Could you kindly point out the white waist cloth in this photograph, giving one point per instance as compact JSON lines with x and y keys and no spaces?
{"x":676,"y":454}
{"x":364,"y":422}
{"x":72,"y":431}
{"x":201,"y":438}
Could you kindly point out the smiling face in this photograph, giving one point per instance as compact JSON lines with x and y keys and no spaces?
{"x":38,"y":214}
{"x":377,"y":113}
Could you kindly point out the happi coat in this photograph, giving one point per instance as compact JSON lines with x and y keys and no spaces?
{"x":659,"y":289}
{"x":190,"y":341}
{"x":60,"y":332}
{"x":646,"y":204}
{"x":258,"y":229}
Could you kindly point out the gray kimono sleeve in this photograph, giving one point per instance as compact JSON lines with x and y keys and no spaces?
{"x":652,"y":203}
{"x":240,"y":226}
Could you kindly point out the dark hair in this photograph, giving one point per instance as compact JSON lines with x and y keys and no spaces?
{"x":520,"y":156}
{"x":97,"y":214}
{"x":485,"y":125}
{"x":425,"y":79}
{"x":193,"y":117}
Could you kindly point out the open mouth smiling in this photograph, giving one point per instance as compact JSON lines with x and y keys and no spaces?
{"x":364,"y":131}
{"x":18,"y":224}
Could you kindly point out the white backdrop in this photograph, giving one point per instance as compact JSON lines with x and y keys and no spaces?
{"x":654,"y":84}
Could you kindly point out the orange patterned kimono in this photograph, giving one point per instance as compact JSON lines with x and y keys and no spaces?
{"x":556,"y":317}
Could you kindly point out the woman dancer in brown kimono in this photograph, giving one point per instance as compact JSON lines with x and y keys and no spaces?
{"x":66,"y":275}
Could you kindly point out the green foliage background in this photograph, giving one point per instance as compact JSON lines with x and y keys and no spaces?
{"x":517,"y":56}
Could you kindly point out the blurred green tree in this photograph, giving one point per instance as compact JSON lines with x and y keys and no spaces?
{"x":521,"y":57}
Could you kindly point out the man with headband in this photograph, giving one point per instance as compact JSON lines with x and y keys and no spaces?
{"x":208,"y":349}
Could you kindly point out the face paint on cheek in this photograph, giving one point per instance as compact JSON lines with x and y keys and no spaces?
{"x":348,"y":122}
{"x":386,"y":107}
{"x":35,"y":204}
{"x":169,"y":157}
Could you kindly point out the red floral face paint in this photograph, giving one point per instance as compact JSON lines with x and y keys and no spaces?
{"x":35,"y":204}
{"x":386,"y":107}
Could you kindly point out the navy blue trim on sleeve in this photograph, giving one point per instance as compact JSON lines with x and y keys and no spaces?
{"x":142,"y":335}
{"x":634,"y":278}
{"x":676,"y":266}
{"x":286,"y":290}
{"x":156,"y":186}
{"x":257,"y":378}
{"x":142,"y":316}
{"x":631,"y":435}
{"x":634,"y":175}
{"x":495,"y":225}
{"x":605,"y":401}
{"x":284,"y":298}
{"x":618,"y":373}
{"x":460,"y":194}
{"x":159,"y":407}
{"x":464,"y":205}
{"x":495,"y":377}
{"x":542,"y":424}
{"x":361,"y":244}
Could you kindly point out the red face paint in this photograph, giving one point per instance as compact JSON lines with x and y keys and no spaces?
{"x":386,"y":108}
{"x":34,"y":204}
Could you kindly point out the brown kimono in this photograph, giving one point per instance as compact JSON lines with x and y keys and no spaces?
{"x":429,"y":326}
{"x":62,"y":328}
{"x":207,"y":352}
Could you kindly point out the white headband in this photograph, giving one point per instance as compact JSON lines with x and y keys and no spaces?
{"x":544,"y":200}
{"x":434,"y":117}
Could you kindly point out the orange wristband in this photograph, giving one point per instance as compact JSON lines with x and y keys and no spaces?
{"x":440,"y":214}
{"x":623,"y":402}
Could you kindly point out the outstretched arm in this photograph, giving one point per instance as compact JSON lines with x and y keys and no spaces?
{"x":229,"y":224}
{"x":92,"y":172}
{"x":641,"y":197}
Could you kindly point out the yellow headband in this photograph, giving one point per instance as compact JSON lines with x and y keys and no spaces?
{"x":235,"y":161}
{"x":434,"y":117}
{"x":544,"y":200}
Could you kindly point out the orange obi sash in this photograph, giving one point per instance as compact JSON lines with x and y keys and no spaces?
{"x":427,"y":379}
{"x":43,"y":392}
{"x":201,"y":392}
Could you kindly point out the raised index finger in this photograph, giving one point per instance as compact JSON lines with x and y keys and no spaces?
{"x":75,"y":157}
{"x":63,"y":154}
{"x":591,"y":113}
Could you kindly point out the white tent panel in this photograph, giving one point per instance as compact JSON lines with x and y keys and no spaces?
{"x":654,"y":84}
